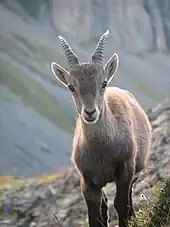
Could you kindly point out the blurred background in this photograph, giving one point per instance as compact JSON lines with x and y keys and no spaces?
{"x":36,"y":112}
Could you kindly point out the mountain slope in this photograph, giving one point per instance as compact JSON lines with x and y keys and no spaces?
{"x":139,"y":32}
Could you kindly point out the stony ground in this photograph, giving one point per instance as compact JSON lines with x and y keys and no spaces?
{"x":34,"y":202}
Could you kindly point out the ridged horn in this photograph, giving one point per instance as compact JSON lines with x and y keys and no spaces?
{"x":70,"y":55}
{"x":98,"y":54}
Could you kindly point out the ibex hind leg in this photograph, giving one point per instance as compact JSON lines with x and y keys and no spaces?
{"x":104,"y":209}
{"x":134,"y":180}
{"x":131,"y":212}
{"x":123,"y":200}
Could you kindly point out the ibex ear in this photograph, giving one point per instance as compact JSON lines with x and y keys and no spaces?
{"x":111,"y":66}
{"x":59,"y":72}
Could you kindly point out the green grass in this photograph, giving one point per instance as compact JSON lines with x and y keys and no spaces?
{"x":39,"y":55}
{"x":42,"y":54}
{"x":34,"y":95}
{"x":156,"y":212}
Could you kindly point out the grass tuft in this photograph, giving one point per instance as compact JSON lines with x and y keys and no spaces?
{"x":156,"y":212}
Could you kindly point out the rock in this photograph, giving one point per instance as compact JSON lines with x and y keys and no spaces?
{"x":7,"y":206}
{"x":32,"y":224}
{"x":35,"y":203}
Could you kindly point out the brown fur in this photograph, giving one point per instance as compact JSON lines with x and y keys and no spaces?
{"x":117,"y":145}
{"x":114,"y":147}
{"x":122,"y":119}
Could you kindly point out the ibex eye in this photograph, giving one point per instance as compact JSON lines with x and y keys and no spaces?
{"x":71,"y":88}
{"x":104,"y":84}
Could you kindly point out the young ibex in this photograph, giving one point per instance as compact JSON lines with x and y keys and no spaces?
{"x":112,"y":136}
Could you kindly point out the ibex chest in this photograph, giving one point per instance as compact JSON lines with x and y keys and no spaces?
{"x":98,"y":164}
{"x":98,"y":157}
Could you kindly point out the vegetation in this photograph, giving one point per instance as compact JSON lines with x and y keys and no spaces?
{"x":156,"y":211}
{"x":16,"y":182}
{"x":34,"y":95}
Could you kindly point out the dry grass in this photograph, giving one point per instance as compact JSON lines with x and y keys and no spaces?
{"x":15,"y":182}
{"x":10,"y":180}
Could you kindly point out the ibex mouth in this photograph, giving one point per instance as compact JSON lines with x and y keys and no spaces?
{"x":91,"y":120}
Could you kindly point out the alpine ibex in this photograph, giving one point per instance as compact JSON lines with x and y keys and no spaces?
{"x":112,"y":135}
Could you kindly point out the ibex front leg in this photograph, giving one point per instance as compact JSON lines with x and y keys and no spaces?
{"x":123,"y":200}
{"x":96,"y":204}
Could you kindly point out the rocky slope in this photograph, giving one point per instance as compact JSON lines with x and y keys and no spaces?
{"x":36,"y":112}
{"x":33,"y":202}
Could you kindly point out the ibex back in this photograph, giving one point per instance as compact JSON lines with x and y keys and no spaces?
{"x":112,"y":136}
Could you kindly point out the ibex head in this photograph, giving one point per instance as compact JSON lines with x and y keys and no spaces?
{"x":87,"y":81}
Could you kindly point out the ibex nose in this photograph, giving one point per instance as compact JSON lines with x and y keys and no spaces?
{"x":90,"y":113}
